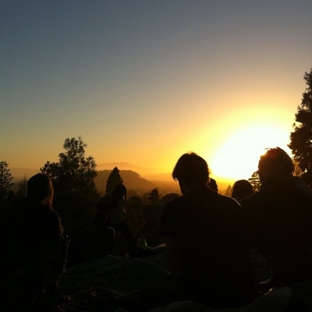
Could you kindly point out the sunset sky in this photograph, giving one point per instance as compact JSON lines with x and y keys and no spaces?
{"x":145,"y":81}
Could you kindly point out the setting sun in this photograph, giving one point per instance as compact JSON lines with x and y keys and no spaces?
{"x":238,"y":156}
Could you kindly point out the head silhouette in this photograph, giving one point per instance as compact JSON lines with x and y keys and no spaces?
{"x":190,"y":170}
{"x":274,"y":163}
{"x":40,"y":188}
{"x":241,"y":189}
{"x":119,"y":191}
{"x":213,"y":184}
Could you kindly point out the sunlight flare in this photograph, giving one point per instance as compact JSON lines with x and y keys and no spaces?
{"x":239,"y":155}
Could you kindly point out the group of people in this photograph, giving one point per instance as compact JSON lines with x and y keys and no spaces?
{"x":208,"y":236}
{"x":34,"y":248}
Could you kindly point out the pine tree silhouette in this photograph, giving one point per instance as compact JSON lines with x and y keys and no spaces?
{"x":113,"y":179}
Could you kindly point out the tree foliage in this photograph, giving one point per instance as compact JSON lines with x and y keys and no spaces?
{"x":228,"y":191}
{"x":73,"y":181}
{"x":134,"y":216}
{"x":5,"y":182}
{"x":154,"y":196}
{"x":114,"y":178}
{"x":22,"y":188}
{"x":301,"y":137}
{"x":255,"y":181}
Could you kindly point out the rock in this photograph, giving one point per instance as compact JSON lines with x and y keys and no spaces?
{"x":101,"y":285}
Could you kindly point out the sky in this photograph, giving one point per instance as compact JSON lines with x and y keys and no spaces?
{"x":144,"y":82}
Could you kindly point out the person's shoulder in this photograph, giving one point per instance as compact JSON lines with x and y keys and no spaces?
{"x":257,"y":198}
{"x":44,"y":209}
{"x":173,"y":206}
{"x":104,"y":201}
{"x":52,"y":211}
{"x":299,"y":183}
{"x":174,"y":202}
{"x":226,"y":200}
{"x":108,"y":196}
{"x":49,"y":217}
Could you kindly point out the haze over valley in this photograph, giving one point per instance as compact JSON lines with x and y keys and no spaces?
{"x":140,"y":180}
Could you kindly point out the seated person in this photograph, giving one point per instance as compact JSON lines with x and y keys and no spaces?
{"x":33,"y":249}
{"x":98,"y":239}
{"x":113,"y":204}
{"x":279,"y":219}
{"x":206,"y":240}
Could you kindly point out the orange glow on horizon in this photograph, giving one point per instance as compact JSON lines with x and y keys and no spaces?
{"x":238,"y":156}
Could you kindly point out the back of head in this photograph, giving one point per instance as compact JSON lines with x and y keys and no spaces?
{"x":275,"y":162}
{"x":191,"y":169}
{"x":119,"y":191}
{"x":213,"y":184}
{"x":40,"y":188}
{"x":241,"y":189}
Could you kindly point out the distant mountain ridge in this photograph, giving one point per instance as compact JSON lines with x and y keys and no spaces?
{"x":126,"y":166}
{"x":135,"y":178}
{"x":19,"y":173}
{"x":132,"y":180}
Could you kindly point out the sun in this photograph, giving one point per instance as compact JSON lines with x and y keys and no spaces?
{"x":238,"y":156}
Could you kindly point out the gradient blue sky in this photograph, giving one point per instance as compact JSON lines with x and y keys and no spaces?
{"x":146,"y":81}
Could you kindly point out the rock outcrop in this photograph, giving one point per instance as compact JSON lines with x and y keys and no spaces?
{"x":101,"y":285}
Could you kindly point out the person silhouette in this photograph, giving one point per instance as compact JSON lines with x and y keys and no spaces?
{"x":113,"y":205}
{"x":206,"y":240}
{"x":241,"y":189}
{"x":279,"y":220}
{"x":98,"y":238}
{"x":33,"y":248}
{"x":213,"y":185}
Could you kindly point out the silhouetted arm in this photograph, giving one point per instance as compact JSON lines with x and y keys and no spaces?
{"x":170,"y":230}
{"x":173,"y":256}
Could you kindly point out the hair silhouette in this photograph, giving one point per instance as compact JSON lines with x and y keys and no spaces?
{"x":39,"y":188}
{"x":191,"y":169}
{"x":241,"y":189}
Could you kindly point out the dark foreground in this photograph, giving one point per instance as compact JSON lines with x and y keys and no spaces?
{"x":101,"y":285}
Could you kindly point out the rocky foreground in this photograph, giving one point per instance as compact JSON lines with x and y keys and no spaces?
{"x":101,"y":285}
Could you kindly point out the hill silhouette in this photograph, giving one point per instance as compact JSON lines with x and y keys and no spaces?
{"x":126,"y":166}
{"x":138,"y":179}
{"x":19,"y":173}
{"x":132,"y":180}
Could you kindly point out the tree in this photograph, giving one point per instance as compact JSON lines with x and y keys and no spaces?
{"x":154,"y":196}
{"x":228,"y":191}
{"x":22,"y":188}
{"x":255,"y":181}
{"x":298,"y":171}
{"x":113,"y":179}
{"x":301,"y":137}
{"x":73,"y":180}
{"x":5,"y":182}
{"x":134,"y":216}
